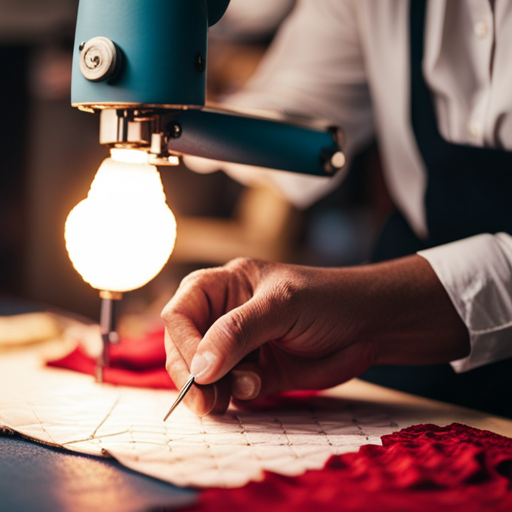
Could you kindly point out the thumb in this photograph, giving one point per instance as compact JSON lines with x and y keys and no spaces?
{"x":236,"y":334}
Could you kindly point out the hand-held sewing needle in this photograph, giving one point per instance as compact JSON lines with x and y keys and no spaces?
{"x":184,"y":390}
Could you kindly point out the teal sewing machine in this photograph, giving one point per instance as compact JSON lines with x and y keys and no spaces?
{"x":142,"y":63}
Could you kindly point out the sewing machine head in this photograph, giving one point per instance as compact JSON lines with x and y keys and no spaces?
{"x":137,"y":62}
{"x":143,"y":65}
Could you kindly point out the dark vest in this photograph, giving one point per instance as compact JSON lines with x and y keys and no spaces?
{"x":469,"y":191}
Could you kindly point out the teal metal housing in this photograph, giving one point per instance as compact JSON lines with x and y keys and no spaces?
{"x":162,"y":74}
{"x":162,"y":43}
{"x":249,"y":140}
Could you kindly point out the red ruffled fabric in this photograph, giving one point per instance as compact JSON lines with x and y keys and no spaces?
{"x":424,"y":468}
{"x":138,"y":363}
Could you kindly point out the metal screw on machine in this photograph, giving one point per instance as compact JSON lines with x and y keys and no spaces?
{"x":174,"y":131}
{"x":200,"y":63}
{"x":334,"y":159}
{"x":338,"y":160}
{"x":99,"y":59}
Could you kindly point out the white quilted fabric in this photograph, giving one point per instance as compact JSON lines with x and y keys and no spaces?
{"x":67,"y":409}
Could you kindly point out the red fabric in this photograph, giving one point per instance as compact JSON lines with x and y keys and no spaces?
{"x":141,"y":363}
{"x":424,"y":468}
{"x":138,"y":363}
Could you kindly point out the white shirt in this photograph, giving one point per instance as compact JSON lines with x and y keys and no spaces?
{"x":348,"y":61}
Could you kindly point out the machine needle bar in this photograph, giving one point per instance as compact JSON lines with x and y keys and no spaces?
{"x":109,"y":335}
{"x":184,"y":390}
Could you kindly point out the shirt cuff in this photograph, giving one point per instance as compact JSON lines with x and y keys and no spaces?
{"x":477,"y":275}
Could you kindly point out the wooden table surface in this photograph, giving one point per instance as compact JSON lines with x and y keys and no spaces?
{"x":406,"y":409}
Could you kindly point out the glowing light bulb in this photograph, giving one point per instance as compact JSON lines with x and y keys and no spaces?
{"x":123,"y":233}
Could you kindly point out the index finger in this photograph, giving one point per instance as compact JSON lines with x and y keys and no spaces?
{"x":202,"y":298}
{"x":196,"y":304}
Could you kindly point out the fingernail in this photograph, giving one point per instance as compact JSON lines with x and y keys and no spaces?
{"x":200,"y":363}
{"x":245,"y":385}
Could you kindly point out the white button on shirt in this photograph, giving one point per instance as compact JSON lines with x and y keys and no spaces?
{"x":474,"y":129}
{"x":481,"y":29}
{"x":348,"y":61}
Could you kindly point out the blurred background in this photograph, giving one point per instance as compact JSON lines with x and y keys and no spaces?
{"x":50,"y":154}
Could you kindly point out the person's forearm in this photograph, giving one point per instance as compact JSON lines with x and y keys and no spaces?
{"x":409,"y":314}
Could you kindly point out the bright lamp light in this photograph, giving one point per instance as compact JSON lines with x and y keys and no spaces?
{"x":123,"y":233}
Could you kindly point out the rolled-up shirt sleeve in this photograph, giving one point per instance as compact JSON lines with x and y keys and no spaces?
{"x":477,"y":275}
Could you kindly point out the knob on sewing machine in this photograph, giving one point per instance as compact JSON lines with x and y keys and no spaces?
{"x":142,"y":64}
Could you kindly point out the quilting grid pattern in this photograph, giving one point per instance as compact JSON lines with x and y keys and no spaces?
{"x":67,"y":409}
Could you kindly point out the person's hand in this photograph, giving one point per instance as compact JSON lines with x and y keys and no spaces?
{"x":298,"y":319}
{"x":253,"y":328}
